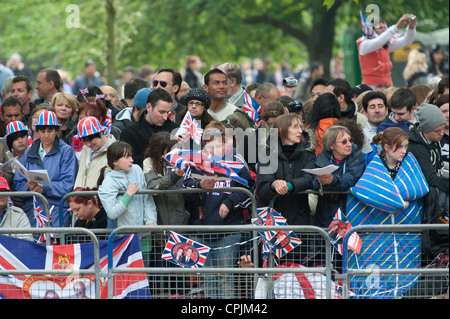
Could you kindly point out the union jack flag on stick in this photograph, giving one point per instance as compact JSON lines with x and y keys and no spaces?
{"x":41,"y":219}
{"x":251,"y":108}
{"x":189,"y":125}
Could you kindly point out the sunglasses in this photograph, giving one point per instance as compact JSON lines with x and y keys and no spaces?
{"x":344,"y":142}
{"x":162,"y":83}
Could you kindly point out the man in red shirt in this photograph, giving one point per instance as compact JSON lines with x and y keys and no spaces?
{"x":376,"y":44}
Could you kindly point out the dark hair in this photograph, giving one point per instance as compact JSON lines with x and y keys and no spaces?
{"x":115,"y":151}
{"x":44,"y":127}
{"x":355,"y":130}
{"x":314,"y":66}
{"x":285,"y":100}
{"x":251,"y":87}
{"x":160,"y":143}
{"x":133,"y":85}
{"x":176,"y":77}
{"x":318,"y":82}
{"x":93,"y":91}
{"x":83,"y":199}
{"x":403,"y":97}
{"x":11,"y":101}
{"x":53,"y":75}
{"x":157,"y":95}
{"x":23,"y":78}
{"x":442,"y":100}
{"x":204,"y":119}
{"x":14,"y":136}
{"x":442,"y":85}
{"x":326,"y":106}
{"x":213,"y":71}
{"x":371,"y":95}
{"x":341,"y":86}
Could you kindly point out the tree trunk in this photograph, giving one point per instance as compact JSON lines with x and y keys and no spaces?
{"x":110,"y":43}
{"x":321,"y":41}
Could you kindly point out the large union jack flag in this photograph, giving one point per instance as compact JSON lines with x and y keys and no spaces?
{"x":17,"y":254}
{"x":185,"y":252}
{"x":251,"y":107}
{"x":190,"y":126}
{"x":202,"y":165}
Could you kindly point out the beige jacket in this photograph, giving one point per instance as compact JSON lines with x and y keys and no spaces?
{"x":88,"y":173}
{"x":15,"y":217}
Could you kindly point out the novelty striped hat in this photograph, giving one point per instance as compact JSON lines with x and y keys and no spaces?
{"x":47,"y":118}
{"x":14,"y":127}
{"x":89,"y":126}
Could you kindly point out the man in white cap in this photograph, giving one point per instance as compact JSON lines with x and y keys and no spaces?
{"x":424,"y":139}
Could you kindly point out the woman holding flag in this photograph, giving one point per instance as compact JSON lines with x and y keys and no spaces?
{"x":198,"y":102}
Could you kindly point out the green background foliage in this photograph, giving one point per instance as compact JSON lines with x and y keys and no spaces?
{"x":162,"y":33}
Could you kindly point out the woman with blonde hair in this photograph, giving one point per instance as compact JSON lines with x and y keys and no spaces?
{"x":65,"y":106}
{"x":415,"y":71}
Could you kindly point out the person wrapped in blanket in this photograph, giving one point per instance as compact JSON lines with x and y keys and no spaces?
{"x":390,"y":192}
{"x":221,"y":208}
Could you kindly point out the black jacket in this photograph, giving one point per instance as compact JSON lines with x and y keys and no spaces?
{"x":236,"y":202}
{"x":293,"y":207}
{"x":429,"y":158}
{"x":138,"y":135}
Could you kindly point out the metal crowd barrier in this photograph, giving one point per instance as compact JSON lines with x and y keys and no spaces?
{"x":257,"y":270}
{"x":370,"y":279}
{"x":168,"y":191}
{"x":96,"y":272}
{"x":29,"y":194}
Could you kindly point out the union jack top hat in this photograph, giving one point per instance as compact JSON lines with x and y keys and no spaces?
{"x":89,"y":126}
{"x":47,"y":118}
{"x":14,"y":127}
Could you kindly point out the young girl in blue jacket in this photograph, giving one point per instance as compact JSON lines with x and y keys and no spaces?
{"x":121,"y":174}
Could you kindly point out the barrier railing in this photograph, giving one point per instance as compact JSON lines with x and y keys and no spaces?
{"x":168,"y":191}
{"x":325,"y":271}
{"x":96,"y":271}
{"x":29,"y":194}
{"x":404,"y":252}
{"x":255,"y":273}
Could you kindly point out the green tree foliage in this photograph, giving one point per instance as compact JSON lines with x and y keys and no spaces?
{"x":162,"y":32}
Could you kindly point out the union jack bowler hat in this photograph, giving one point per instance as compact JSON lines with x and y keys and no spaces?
{"x":14,"y":127}
{"x":89,"y":126}
{"x":47,"y":118}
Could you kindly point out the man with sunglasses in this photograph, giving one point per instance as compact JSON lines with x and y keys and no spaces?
{"x":170,"y":81}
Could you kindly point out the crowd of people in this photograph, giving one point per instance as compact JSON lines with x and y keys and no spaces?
{"x":90,"y":137}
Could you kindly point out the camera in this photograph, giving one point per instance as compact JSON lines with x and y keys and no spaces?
{"x":294,"y":107}
{"x":290,"y":82}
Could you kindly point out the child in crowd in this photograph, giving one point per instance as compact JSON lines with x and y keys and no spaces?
{"x":120,"y":174}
